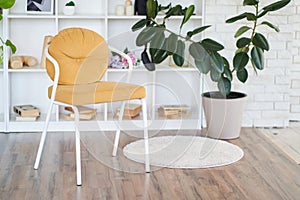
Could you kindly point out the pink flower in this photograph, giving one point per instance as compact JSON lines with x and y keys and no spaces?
{"x":133,"y":58}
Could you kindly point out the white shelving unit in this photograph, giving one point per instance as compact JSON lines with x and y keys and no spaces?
{"x":167,"y":85}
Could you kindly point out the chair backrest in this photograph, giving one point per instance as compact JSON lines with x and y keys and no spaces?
{"x":82,"y":56}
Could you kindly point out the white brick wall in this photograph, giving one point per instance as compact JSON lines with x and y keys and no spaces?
{"x":295,"y":70}
{"x":269,"y":102}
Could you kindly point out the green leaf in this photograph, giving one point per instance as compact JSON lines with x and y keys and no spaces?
{"x":211,"y":45}
{"x":70,"y":3}
{"x":140,"y":24}
{"x":1,"y":17}
{"x":250,"y":2}
{"x":197,"y":30}
{"x":197,"y":51}
{"x":157,"y":42}
{"x":263,"y":13}
{"x":251,"y":17}
{"x":277,"y":5}
{"x":171,"y":44}
{"x":240,"y":60}
{"x":146,"y":35}
{"x":260,"y":41}
{"x":271,"y":26}
{"x":227,"y":71}
{"x":217,"y":62}
{"x":11,"y":45}
{"x":151,"y":8}
{"x":242,"y":75}
{"x":203,"y":65}
{"x":257,"y":58}
{"x":160,"y":7}
{"x":224,"y":86}
{"x":200,"y":29}
{"x":172,"y":11}
{"x":201,"y":57}
{"x":160,"y":54}
{"x":236,"y":18}
{"x":189,"y":12}
{"x":6,"y":3}
{"x":215,"y":75}
{"x":241,"y":30}
{"x":178,"y":57}
{"x":243,"y":42}
{"x":189,"y":34}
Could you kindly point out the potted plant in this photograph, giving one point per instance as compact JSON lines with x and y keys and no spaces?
{"x":6,"y":5}
{"x":69,"y":8}
{"x":160,"y":42}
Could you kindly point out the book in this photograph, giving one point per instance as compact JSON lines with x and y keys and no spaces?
{"x":173,"y":111}
{"x":27,"y":110}
{"x":85,"y":113}
{"x":131,"y":110}
{"x":26,"y":119}
{"x":125,"y":116}
{"x":84,"y":116}
{"x":82,"y":109}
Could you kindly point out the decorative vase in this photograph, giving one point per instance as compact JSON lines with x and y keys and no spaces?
{"x":223,"y":116}
{"x":69,"y":10}
{"x":140,"y":7}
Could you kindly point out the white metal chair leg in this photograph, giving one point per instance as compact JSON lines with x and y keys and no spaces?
{"x":43,"y":137}
{"x":117,"y":136}
{"x":77,"y":146}
{"x":145,"y":120}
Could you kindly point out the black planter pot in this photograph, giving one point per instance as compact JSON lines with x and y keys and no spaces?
{"x":140,"y":7}
{"x":223,"y":115}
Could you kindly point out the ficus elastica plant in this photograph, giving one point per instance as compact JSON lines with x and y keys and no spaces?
{"x":160,"y":42}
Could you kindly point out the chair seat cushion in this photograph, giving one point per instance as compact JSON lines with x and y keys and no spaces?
{"x":99,"y":92}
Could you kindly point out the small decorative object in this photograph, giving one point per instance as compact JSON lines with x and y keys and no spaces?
{"x":39,"y":6}
{"x":118,"y":62}
{"x":69,"y":8}
{"x":140,"y":7}
{"x":47,"y":41}
{"x":129,"y":10}
{"x":17,"y":62}
{"x":120,"y":10}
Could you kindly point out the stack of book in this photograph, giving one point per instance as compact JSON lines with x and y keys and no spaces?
{"x":131,"y":111}
{"x":173,"y":111}
{"x":26,"y":113}
{"x":85,"y":113}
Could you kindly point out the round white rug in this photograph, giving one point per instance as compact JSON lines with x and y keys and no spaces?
{"x":185,"y":152}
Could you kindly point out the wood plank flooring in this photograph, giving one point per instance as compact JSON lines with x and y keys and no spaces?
{"x":264,"y":173}
{"x":288,"y":140}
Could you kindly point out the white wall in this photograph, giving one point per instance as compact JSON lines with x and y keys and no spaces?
{"x":295,"y":70}
{"x":268,"y":93}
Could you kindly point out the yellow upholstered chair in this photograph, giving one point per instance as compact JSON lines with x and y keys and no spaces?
{"x":77,"y":59}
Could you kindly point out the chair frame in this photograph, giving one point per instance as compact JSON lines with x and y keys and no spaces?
{"x":77,"y":119}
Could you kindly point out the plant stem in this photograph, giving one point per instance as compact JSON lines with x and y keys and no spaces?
{"x":253,"y":29}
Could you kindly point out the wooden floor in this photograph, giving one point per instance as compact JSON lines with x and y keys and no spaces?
{"x":264,"y":173}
